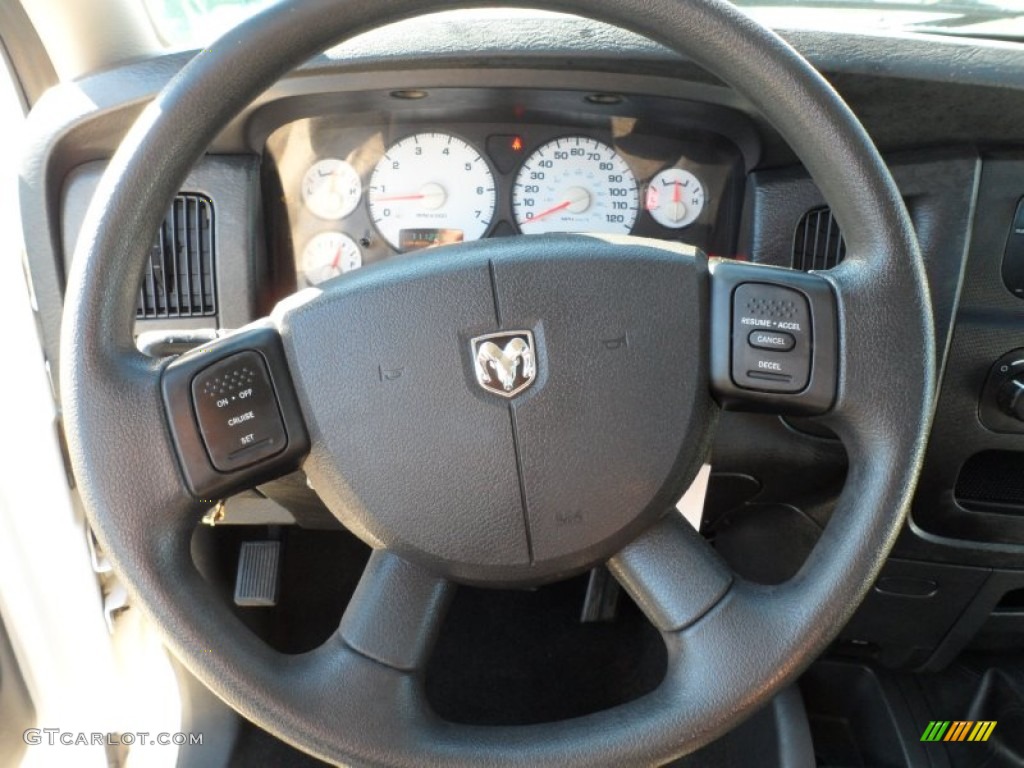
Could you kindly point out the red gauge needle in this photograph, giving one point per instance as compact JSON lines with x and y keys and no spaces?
{"x":398,"y":197}
{"x":431,"y":195}
{"x":677,"y":192}
{"x":337,"y":258}
{"x":549,"y":211}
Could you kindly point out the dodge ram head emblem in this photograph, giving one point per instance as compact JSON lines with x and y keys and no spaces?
{"x":506,"y":362}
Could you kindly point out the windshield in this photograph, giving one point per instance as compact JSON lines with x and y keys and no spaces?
{"x":196,"y":23}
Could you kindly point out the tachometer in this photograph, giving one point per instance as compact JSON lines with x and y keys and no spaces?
{"x":429,"y":189}
{"x":575,"y":184}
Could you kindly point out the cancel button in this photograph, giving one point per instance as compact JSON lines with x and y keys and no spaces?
{"x":777,"y":340}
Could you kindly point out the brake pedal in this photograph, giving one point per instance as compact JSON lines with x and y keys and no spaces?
{"x":259,"y":574}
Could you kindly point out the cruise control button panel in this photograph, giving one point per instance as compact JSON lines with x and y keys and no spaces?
{"x":233,"y":413}
{"x":237,"y":412}
{"x":772,"y":341}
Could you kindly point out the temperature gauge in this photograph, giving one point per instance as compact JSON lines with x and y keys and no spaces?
{"x":331,"y":189}
{"x":675,"y":198}
{"x":328,"y":255}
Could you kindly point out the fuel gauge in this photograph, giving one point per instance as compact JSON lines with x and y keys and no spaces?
{"x":331,"y":188}
{"x":328,"y":255}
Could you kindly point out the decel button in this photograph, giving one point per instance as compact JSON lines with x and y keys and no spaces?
{"x":237,"y":412}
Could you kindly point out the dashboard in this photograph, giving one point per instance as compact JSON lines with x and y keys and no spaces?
{"x":357,"y":193}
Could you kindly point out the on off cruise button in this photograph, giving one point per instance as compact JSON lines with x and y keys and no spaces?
{"x":779,"y":340}
{"x":237,"y":411}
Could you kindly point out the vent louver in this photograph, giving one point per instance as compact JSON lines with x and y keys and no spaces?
{"x":818,"y":243}
{"x":180,"y":278}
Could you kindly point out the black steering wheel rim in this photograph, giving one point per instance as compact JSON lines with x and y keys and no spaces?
{"x":751,"y":642}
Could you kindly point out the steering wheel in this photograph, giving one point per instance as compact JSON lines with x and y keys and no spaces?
{"x":571,"y":455}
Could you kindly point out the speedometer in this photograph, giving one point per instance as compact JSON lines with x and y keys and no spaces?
{"x":575,"y":184}
{"x":430,"y":189}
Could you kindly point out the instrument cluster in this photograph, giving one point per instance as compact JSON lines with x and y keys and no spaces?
{"x":357,"y":194}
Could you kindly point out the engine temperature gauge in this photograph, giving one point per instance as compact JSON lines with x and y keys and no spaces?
{"x":675,"y":198}
{"x":328,"y":255}
{"x":331,"y":188}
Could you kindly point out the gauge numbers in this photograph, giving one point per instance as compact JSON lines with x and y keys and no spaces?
{"x":431,"y":182}
{"x":575,"y":184}
{"x":328,"y":255}
{"x":331,"y":188}
{"x":675,"y":198}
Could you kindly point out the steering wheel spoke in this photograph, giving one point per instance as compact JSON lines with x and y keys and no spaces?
{"x":672,"y":573}
{"x":396,"y":612}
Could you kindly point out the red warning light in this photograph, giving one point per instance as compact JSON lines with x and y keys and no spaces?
{"x":652,"y":201}
{"x":517,"y":143}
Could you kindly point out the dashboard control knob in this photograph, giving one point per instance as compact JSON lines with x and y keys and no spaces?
{"x":1010,"y":397}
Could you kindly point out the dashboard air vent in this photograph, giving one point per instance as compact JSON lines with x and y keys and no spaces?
{"x":180,"y":279}
{"x":818,"y":243}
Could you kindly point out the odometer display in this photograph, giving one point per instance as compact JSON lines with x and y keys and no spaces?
{"x":575,"y":184}
{"x":431,"y":181}
{"x":418,"y":239}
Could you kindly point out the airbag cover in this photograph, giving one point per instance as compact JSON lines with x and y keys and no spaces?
{"x":413,"y":453}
